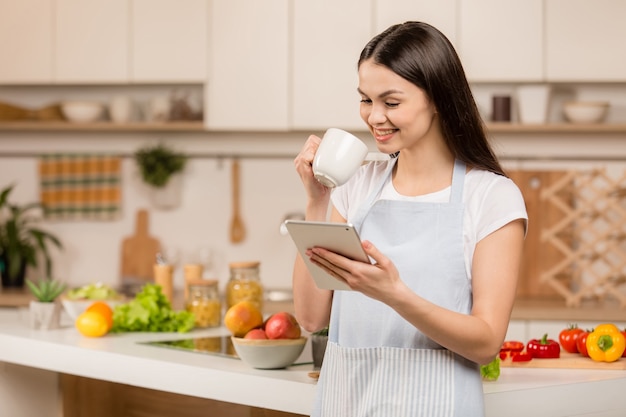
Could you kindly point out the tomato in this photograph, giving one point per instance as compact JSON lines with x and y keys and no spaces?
{"x":568,"y":336}
{"x":581,"y":342}
{"x":624,"y":333}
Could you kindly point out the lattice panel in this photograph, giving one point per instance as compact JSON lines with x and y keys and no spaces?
{"x":590,"y":237}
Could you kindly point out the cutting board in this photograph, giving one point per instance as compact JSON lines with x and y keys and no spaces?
{"x":567,"y":360}
{"x":139,"y":252}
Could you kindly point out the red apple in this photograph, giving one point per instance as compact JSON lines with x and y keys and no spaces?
{"x":256,"y":334}
{"x":282,"y":325}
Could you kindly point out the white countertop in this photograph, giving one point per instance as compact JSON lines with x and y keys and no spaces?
{"x":119,"y":358}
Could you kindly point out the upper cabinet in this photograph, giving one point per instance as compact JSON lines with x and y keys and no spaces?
{"x":26,"y":46}
{"x":585,"y":40}
{"x":248,"y":78}
{"x":501,"y":40}
{"x":103,"y":41}
{"x":169,"y":41}
{"x":91,"y":41}
{"x":442,"y":14}
{"x":327,"y":39}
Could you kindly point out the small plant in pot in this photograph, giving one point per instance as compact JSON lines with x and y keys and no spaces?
{"x":45,"y":311}
{"x":22,"y":242}
{"x":159,"y":166}
{"x":319,"y":339}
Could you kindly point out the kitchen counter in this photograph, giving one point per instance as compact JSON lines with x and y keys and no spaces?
{"x":120,"y":359}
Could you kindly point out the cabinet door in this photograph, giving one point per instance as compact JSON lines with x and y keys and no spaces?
{"x":248,"y":67}
{"x":92,"y":41}
{"x":585,"y":40}
{"x":442,"y":14}
{"x":26,"y":41}
{"x":502,"y":40}
{"x":328,"y":37}
{"x":169,"y":40}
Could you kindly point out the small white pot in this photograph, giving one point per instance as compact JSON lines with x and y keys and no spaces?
{"x":45,"y":316}
{"x":169,"y":196}
{"x":533,"y":103}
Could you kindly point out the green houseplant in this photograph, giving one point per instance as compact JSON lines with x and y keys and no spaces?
{"x":158,"y":163}
{"x":22,"y":243}
{"x":161,"y":169}
{"x":45,"y":311}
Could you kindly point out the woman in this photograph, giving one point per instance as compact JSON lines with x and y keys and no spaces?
{"x":444,"y":227}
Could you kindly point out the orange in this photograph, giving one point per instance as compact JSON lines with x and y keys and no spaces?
{"x":103,"y":308}
{"x":242,"y":317}
{"x":92,"y":324}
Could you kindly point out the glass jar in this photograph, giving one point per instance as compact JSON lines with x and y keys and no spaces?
{"x":204,"y":302}
{"x":244,"y":284}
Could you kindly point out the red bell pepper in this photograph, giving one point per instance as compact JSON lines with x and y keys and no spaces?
{"x":544,"y":348}
{"x":624,"y":333}
{"x":521,"y":357}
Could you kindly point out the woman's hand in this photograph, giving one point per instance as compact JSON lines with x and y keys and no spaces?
{"x":304,"y":166}
{"x":379,"y":280}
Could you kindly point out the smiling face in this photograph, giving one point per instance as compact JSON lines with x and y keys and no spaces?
{"x":398,"y":113}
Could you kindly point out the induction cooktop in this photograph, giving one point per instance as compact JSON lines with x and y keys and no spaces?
{"x":214,"y":345}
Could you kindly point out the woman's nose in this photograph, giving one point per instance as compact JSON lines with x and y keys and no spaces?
{"x":376,"y":116}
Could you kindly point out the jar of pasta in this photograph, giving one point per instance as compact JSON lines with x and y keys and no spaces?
{"x":204,"y":302}
{"x":244,"y":284}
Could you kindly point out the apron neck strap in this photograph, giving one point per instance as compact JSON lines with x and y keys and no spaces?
{"x":458,"y":181}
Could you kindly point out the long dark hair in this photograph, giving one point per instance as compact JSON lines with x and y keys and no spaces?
{"x":423,"y":55}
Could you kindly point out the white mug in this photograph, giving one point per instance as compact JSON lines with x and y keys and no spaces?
{"x":338,"y":157}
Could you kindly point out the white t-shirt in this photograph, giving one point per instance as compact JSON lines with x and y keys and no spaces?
{"x":491,"y":201}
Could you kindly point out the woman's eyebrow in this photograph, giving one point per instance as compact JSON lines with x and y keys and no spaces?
{"x":383,"y":94}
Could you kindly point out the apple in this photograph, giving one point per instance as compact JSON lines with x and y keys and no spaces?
{"x":256,"y":334}
{"x":282,"y":325}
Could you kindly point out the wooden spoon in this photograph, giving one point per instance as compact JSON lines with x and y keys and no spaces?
{"x":237,"y":228}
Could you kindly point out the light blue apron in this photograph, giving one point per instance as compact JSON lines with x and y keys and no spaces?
{"x":376,"y":363}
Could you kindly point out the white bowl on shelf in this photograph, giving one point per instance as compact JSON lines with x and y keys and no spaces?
{"x":585,"y":111}
{"x":82,"y":111}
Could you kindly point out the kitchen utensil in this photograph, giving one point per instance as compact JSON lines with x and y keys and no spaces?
{"x":139,"y":253}
{"x":237,"y":228}
{"x":82,"y":111}
{"x":269,"y":353}
{"x":585,"y":111}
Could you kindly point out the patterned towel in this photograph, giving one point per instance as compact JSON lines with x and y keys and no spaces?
{"x":80,"y":186}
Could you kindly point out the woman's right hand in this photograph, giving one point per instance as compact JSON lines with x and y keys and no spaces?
{"x":316,"y":192}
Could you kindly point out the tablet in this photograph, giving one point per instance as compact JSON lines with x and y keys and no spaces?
{"x":341,"y":238}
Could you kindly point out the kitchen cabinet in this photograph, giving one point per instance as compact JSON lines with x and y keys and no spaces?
{"x":585,"y":40}
{"x":26,"y":46}
{"x":442,"y":14}
{"x":248,"y":76}
{"x":92,"y":41}
{"x":327,"y":38}
{"x":169,"y":41}
{"x":501,"y":41}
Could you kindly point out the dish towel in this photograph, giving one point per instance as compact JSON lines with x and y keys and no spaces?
{"x":80,"y":186}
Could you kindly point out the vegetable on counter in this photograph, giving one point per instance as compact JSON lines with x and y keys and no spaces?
{"x":97,"y":291}
{"x":150,"y":311}
{"x":491,"y":371}
{"x":568,"y":336}
{"x":581,"y":342}
{"x":544,"y":348}
{"x":606,"y":343}
{"x":515,"y":350}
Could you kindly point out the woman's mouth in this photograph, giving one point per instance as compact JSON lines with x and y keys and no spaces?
{"x":383,"y":135}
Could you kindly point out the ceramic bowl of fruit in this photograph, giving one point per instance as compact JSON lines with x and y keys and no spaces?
{"x":273,"y":344}
{"x":76,"y":300}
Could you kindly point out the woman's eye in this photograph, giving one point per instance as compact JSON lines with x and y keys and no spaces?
{"x":366,"y":101}
{"x":392,"y":105}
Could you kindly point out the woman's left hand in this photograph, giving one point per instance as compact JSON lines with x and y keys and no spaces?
{"x":379,"y":280}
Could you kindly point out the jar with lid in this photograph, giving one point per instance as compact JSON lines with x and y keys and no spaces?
{"x":204,"y":302}
{"x":244,"y":284}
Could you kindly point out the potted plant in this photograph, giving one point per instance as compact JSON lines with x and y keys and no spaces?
{"x":160,"y":169}
{"x":319,"y":339}
{"x":45,"y":311}
{"x":22,"y":243}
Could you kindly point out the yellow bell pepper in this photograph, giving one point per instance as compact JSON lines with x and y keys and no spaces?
{"x":606,"y":343}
